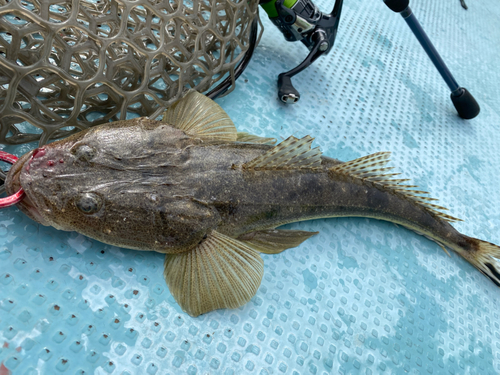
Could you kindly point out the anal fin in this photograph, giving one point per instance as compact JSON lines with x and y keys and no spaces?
{"x":275,"y":241}
{"x":218,"y":273}
{"x":250,"y":138}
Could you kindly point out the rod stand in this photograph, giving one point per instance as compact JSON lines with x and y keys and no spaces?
{"x":465,"y":104}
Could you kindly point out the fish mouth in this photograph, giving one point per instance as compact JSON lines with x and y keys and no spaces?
{"x":13,"y":184}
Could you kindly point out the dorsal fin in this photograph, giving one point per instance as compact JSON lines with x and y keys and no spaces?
{"x":372,"y":168}
{"x":199,"y":116}
{"x":292,"y":153}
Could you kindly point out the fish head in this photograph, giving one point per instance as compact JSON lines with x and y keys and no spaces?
{"x":53,"y":178}
{"x":80,"y":183}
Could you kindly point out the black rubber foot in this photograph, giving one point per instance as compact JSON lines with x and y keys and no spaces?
{"x":397,"y":5}
{"x":465,"y":104}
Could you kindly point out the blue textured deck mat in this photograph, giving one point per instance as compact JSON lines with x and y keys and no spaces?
{"x":363,"y":296}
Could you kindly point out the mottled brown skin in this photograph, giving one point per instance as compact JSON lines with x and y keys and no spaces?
{"x":164,"y":191}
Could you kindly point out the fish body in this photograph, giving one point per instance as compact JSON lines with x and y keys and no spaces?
{"x":211,"y":198}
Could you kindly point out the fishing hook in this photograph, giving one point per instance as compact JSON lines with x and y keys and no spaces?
{"x":14,"y":198}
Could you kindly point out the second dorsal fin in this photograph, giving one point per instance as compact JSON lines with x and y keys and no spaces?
{"x":201,"y":117}
{"x":292,"y":153}
{"x":373,"y":168}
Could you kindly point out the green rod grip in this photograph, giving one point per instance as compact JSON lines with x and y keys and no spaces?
{"x":270,"y":8}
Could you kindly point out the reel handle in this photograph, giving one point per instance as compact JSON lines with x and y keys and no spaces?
{"x":301,"y":20}
{"x":286,"y":92}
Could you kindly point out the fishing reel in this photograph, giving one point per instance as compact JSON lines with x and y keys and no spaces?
{"x":301,"y":20}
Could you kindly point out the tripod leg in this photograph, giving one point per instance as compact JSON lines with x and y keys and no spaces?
{"x":464,"y":102}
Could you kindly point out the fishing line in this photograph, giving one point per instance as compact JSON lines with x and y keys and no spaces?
{"x":223,"y":87}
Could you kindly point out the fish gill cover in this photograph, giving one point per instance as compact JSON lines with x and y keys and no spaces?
{"x":69,"y":65}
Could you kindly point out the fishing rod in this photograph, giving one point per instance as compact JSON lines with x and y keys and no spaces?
{"x":301,"y":20}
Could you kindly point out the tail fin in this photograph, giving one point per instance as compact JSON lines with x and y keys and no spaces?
{"x":486,"y":258}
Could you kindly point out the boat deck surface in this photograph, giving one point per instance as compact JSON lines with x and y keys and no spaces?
{"x":361,"y":297}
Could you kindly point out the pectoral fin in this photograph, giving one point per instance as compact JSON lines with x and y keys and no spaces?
{"x":220,"y":272}
{"x":275,"y":241}
{"x":199,"y":116}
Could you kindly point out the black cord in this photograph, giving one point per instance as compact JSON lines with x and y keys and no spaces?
{"x":224,"y":85}
{"x":3,"y":176}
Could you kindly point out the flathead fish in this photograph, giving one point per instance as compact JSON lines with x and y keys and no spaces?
{"x":211,"y":198}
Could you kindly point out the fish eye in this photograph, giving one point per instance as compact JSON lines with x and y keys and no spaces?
{"x":89,"y":203}
{"x":84,"y":152}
